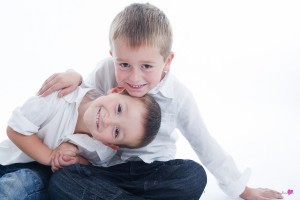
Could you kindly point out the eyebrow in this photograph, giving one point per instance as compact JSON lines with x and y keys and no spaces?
{"x":119,"y":60}
{"x":143,"y":61}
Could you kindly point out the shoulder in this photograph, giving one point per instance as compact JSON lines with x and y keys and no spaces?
{"x":27,"y":118}
{"x":105,"y":70}
{"x":105,"y":63}
{"x":178,"y":87}
{"x":76,"y":95}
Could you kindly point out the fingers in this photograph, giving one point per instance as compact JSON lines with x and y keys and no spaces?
{"x":64,"y":155}
{"x":274,"y":195}
{"x":46,"y":84}
{"x":54,"y":163}
{"x":54,"y":83}
{"x":66,"y":91}
{"x":63,"y":160}
{"x":270,"y":194}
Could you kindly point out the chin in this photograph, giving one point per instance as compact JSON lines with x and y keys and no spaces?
{"x":137,"y":94}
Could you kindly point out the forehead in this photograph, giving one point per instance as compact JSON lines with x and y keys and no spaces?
{"x":133,"y":123}
{"x":121,"y":43}
{"x":122,"y":51}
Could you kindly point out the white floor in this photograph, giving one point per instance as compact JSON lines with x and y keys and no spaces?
{"x":240,"y":59}
{"x":274,"y":163}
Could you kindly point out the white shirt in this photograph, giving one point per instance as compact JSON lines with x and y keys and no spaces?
{"x":179,"y":112}
{"x":52,"y":119}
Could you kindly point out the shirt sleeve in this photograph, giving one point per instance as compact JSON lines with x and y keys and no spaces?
{"x":28,"y":118}
{"x":102,"y":77}
{"x":94,"y":151}
{"x":210,"y":153}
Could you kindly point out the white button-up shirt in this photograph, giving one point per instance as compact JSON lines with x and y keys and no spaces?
{"x":179,"y":112}
{"x":53,"y":120}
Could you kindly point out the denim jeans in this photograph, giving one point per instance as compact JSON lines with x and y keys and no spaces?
{"x":175,"y":179}
{"x":24,"y":181}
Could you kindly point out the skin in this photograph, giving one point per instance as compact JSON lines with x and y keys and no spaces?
{"x":139,"y":69}
{"x":114,"y":119}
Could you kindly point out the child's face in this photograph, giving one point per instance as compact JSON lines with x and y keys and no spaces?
{"x":115,"y":119}
{"x":139,"y":69}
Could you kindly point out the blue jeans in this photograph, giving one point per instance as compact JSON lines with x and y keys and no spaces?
{"x":175,"y":179}
{"x":24,"y":181}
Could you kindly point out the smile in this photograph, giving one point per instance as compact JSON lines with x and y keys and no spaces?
{"x":98,"y":117}
{"x":136,"y":86}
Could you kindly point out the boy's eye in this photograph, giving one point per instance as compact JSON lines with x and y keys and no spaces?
{"x":146,"y":66}
{"x":124,"y":65}
{"x":119,"y":109}
{"x":117,"y":132}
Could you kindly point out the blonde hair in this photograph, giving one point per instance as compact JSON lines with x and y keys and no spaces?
{"x":142,"y":24}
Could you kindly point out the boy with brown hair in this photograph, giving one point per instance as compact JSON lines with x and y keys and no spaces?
{"x":92,"y":126}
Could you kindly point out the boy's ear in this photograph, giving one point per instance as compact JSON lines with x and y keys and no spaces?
{"x":114,"y":147}
{"x":110,"y":52}
{"x":118,"y":89}
{"x":169,"y":61}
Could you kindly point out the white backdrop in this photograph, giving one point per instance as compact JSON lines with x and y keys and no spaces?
{"x":241,"y":59}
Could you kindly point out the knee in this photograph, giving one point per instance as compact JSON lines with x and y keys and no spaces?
{"x":196,"y":178}
{"x":199,"y":176}
{"x":21,"y":184}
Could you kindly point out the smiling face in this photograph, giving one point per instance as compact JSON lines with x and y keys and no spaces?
{"x":139,"y":69}
{"x":116,"y":119}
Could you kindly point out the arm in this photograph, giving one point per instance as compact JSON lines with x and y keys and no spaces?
{"x":102,"y":78}
{"x":216,"y":160}
{"x":64,"y":155}
{"x":66,"y":82}
{"x":87,"y":147}
{"x":32,"y":145}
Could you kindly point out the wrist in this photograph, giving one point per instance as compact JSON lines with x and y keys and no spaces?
{"x":46,"y":160}
{"x":72,"y":71}
{"x":246,"y":193}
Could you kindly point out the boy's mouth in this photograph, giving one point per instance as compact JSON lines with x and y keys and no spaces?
{"x":136,"y":86}
{"x":99,"y":117}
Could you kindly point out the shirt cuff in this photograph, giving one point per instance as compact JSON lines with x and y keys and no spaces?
{"x":236,"y":188}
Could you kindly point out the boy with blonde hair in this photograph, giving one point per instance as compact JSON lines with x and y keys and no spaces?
{"x":141,"y":42}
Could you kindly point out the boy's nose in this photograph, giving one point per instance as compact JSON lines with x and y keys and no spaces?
{"x":108,"y":121}
{"x":135,"y":75}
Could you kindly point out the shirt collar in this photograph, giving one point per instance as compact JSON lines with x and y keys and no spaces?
{"x":165,"y":86}
{"x":77,"y":95}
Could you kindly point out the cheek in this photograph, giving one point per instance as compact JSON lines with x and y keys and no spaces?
{"x":103,"y":135}
{"x":97,"y":136}
{"x":120,"y":75}
{"x":154,"y":78}
{"x":87,"y":118}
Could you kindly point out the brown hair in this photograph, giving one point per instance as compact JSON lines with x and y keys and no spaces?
{"x":151,"y":121}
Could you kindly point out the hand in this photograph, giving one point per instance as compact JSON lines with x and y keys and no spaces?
{"x":260,"y":194}
{"x":64,"y":155}
{"x":66,"y":82}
